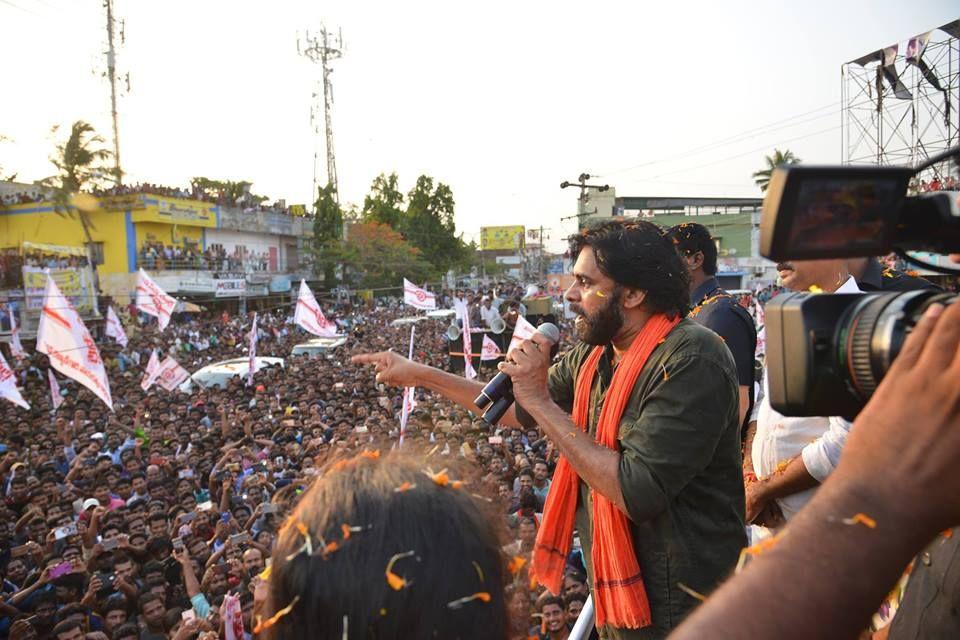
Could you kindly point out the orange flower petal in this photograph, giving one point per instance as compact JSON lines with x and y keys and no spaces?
{"x":861,"y":518}
{"x":482,"y":596}
{"x":516,"y":564}
{"x":396,"y":582}
{"x":406,"y":486}
{"x":263,"y":625}
{"x":346,"y":531}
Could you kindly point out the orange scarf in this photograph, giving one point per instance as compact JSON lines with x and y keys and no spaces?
{"x":618,"y":593}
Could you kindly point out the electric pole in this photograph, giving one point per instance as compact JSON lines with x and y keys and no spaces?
{"x":324,"y":50}
{"x":584,"y":199}
{"x":112,"y":76}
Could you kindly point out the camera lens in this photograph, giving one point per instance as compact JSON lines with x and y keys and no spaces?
{"x":871,"y":333}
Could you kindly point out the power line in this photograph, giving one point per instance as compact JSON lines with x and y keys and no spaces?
{"x":744,"y":135}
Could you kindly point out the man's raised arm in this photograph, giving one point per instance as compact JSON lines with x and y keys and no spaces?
{"x":395,"y":370}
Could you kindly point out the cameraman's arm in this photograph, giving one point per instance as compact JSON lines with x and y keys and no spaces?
{"x":830,"y":565}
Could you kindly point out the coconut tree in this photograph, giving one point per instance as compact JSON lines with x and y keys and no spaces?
{"x":81,"y":162}
{"x":779,"y":158}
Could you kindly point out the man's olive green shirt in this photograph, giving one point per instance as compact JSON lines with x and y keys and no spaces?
{"x":680,"y":467}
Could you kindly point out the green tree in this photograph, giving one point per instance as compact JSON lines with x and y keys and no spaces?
{"x":383,"y":203}
{"x":327,"y":233}
{"x":81,"y":163}
{"x":377,"y":256}
{"x":779,"y":158}
{"x":429,"y":225}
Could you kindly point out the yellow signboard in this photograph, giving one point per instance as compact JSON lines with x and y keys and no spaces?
{"x":73,"y":283}
{"x":297,"y":210}
{"x":501,"y":238}
{"x":192,"y":213}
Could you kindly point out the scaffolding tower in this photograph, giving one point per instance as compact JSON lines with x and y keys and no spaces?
{"x":892,"y":111}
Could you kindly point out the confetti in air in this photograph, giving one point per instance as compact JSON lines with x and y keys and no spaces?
{"x":397,"y":582}
{"x":861,"y":518}
{"x":482,"y":596}
{"x":263,"y":625}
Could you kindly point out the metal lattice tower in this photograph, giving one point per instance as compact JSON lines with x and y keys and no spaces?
{"x":324,"y":50}
{"x":112,"y":77}
{"x":880,"y":128}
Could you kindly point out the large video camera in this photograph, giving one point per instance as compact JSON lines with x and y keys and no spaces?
{"x":826,"y":354}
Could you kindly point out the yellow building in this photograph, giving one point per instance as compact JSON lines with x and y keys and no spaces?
{"x":120,"y":226}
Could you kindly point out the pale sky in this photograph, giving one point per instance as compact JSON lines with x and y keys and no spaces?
{"x":500,"y":100}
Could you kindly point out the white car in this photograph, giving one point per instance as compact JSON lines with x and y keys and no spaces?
{"x":220,"y":373}
{"x":319,"y":346}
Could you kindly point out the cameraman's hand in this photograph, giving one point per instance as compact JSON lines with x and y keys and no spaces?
{"x":904,"y":445}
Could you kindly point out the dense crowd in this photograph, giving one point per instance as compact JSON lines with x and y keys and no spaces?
{"x":138,"y":523}
{"x":160,"y":257}
{"x":190,"y":194}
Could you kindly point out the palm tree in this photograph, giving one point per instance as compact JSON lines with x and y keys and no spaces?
{"x":81,"y":163}
{"x":779,"y":158}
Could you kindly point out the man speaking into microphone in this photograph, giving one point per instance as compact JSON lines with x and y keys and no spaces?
{"x":644,"y":411}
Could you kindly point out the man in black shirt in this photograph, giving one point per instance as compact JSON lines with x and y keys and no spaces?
{"x":716,"y":309}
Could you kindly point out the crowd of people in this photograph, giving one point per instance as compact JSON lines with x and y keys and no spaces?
{"x":138,"y":523}
{"x":159,"y":256}
{"x":189,"y":194}
{"x":184,"y":515}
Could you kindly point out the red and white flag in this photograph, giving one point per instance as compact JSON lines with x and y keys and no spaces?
{"x":8,"y":384}
{"x":409,"y":400}
{"x":114,"y":329}
{"x":64,"y":338}
{"x":154,"y":301}
{"x":463,"y":312}
{"x":232,"y":618}
{"x":252,"y":346}
{"x":309,"y":316}
{"x":522,"y":331}
{"x":55,"y":398}
{"x":418,"y":298}
{"x":490,"y":350}
{"x":16,"y":347}
{"x":151,"y":372}
{"x":760,"y":321}
{"x":171,"y":375}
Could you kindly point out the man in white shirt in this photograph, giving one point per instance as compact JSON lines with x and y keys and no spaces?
{"x":488,"y":312}
{"x":786,"y":458}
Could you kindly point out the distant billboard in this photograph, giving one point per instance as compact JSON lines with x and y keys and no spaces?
{"x":501,"y":238}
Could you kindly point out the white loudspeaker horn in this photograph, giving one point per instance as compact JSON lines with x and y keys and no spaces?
{"x":497,"y":325}
{"x":453,"y":331}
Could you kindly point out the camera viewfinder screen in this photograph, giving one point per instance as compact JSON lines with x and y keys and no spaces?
{"x":832,"y":214}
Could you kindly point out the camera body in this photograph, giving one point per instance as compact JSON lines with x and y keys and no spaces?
{"x":826,"y":354}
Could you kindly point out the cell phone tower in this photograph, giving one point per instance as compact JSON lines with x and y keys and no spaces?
{"x":323,"y":49}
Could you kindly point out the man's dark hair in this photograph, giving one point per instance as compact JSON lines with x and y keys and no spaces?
{"x":71,"y":609}
{"x":557,"y":600}
{"x":690,"y":238}
{"x":638,"y":254}
{"x":525,"y":472}
{"x":574,"y":597}
{"x":448,"y":522}
{"x":65,"y":626}
{"x":146,"y":599}
{"x":126,"y":630}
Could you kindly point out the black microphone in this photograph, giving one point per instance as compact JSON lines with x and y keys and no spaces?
{"x":499,"y":392}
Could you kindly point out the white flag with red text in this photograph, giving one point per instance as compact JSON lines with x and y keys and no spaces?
{"x":154,"y":301}
{"x":309,"y":316}
{"x":171,"y":375}
{"x":522,"y":331}
{"x":8,"y":384}
{"x":418,"y":298}
{"x":16,"y":347}
{"x":490,"y":350}
{"x":114,"y":329}
{"x":409,"y":399}
{"x":55,"y":398}
{"x":62,"y":335}
{"x":463,"y":312}
{"x":252,"y":345}
{"x":151,"y":372}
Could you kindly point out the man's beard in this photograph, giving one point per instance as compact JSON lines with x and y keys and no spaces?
{"x":602,"y":326}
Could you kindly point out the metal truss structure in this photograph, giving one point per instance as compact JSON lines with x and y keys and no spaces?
{"x":881,"y":125}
